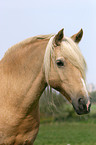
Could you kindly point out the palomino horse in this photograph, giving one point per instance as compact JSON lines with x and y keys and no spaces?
{"x":25,"y":71}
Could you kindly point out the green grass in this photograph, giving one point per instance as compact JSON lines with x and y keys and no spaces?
{"x":67,"y":133}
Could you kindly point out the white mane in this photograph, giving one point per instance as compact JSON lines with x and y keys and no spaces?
{"x":47,"y":57}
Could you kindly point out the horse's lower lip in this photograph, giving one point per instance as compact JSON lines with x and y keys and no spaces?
{"x":81,"y":112}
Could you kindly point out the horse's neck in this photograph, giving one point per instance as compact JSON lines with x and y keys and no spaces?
{"x":23,"y":70}
{"x":23,"y":81}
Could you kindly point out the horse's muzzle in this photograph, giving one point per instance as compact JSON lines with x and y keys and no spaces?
{"x":81,"y":107}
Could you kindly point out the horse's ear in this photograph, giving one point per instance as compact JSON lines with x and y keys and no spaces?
{"x":58,"y":37}
{"x":78,"y":36}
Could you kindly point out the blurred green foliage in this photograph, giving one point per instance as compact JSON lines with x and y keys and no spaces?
{"x":93,"y":97}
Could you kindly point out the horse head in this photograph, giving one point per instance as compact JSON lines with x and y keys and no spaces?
{"x":65,"y":70}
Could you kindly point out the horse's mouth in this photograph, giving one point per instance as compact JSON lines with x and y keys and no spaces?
{"x":80,"y":105}
{"x":82,"y":110}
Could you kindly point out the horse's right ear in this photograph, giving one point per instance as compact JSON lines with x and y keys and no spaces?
{"x":58,"y":37}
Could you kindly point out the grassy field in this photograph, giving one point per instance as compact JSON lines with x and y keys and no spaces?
{"x":72,"y":133}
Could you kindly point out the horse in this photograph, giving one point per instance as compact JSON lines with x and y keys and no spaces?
{"x":25,"y":71}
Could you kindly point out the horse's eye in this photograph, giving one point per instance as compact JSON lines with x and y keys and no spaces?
{"x":60,"y":63}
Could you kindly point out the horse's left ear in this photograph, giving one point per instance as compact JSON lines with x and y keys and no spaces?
{"x":78,"y":36}
{"x":58,"y":37}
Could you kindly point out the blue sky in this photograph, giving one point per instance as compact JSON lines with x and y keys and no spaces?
{"x":21,"y":19}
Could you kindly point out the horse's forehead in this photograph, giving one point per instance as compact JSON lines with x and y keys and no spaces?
{"x":57,"y":51}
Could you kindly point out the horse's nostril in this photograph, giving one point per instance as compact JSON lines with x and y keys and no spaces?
{"x":80,"y":100}
{"x":81,"y":104}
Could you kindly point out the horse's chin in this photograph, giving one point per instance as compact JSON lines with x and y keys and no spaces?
{"x":81,"y":111}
